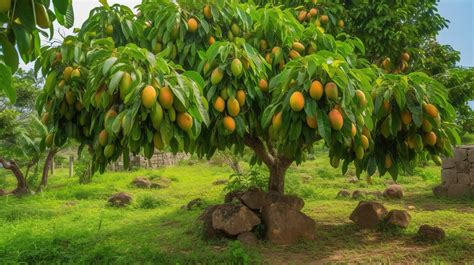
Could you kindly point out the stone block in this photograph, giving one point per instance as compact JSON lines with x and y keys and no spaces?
{"x":470,"y":155}
{"x":463,"y":178}
{"x":472,"y":176}
{"x":458,"y":190}
{"x":460,"y":154}
{"x":448,"y":162}
{"x":440,"y":191}
{"x":449,"y":176}
{"x":463,"y":167}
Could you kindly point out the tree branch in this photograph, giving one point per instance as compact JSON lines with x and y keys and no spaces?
{"x":259,"y":148}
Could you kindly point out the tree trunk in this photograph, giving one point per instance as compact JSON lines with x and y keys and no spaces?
{"x":277,"y":164}
{"x":276,"y":182}
{"x":48,"y":163}
{"x":22,"y":185}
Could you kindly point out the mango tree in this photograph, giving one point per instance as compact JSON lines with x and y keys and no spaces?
{"x":201,"y":76}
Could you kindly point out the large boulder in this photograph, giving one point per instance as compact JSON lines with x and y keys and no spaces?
{"x":458,"y":190}
{"x":234,"y":219}
{"x":254,"y":198}
{"x":368,"y":214}
{"x":141,"y":182}
{"x":286,"y":225}
{"x":441,"y":190}
{"x":292,"y":201}
{"x":398,"y":218}
{"x":120,"y":199}
{"x":394,"y":191}
{"x":430,"y":233}
{"x":208,"y":230}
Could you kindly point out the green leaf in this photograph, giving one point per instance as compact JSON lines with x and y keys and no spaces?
{"x":6,"y":84}
{"x":108,"y":64}
{"x":61,"y":5}
{"x":10,"y":55}
{"x":324,"y":127}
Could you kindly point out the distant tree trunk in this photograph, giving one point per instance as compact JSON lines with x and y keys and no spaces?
{"x":233,"y":162}
{"x":22,"y":185}
{"x":277,"y":164}
{"x":48,"y":163}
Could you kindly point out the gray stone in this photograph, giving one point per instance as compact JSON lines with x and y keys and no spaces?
{"x":394,"y":191}
{"x":248,"y":238}
{"x":448,"y":162}
{"x":353,"y":180}
{"x":234,"y":219}
{"x":358,"y":194}
{"x":208,"y":231}
{"x":471,"y":176}
{"x":449,"y":176}
{"x":458,"y":190}
{"x":254,"y":198}
{"x":440,"y":190}
{"x":463,"y":167}
{"x":398,"y":218}
{"x":463,"y":178}
{"x":368,"y":214}
{"x":194,"y":203}
{"x":120,"y":199}
{"x":430,"y":233}
{"x":286,"y":225}
{"x":470,"y":155}
{"x":460,"y":154}
{"x":343,"y":194}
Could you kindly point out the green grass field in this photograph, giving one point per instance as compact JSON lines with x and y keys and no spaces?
{"x":71,"y":223}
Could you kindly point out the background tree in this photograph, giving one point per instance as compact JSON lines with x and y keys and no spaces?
{"x":275,"y":80}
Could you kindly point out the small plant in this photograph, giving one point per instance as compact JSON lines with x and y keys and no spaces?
{"x":237,"y":253}
{"x":255,"y":177}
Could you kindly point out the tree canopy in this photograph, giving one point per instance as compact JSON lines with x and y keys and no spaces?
{"x":203,"y":76}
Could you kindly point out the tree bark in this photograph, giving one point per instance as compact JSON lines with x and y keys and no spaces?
{"x":22,"y":185}
{"x":47,"y":164}
{"x":277,"y":164}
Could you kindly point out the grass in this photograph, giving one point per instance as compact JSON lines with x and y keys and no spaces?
{"x":71,"y":223}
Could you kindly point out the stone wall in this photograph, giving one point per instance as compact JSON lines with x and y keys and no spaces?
{"x":457,"y":174}
{"x":159,"y":159}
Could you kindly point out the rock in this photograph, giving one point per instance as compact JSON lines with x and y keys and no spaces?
{"x":440,"y":190}
{"x":470,"y":155}
{"x":220,"y":182}
{"x":448,"y":163}
{"x":463,"y":167}
{"x":254,"y":198}
{"x":233,"y":196}
{"x":120,"y":199}
{"x":394,"y":191}
{"x":70,"y":203}
{"x":248,"y":238}
{"x":208,"y":231}
{"x":3,"y":192}
{"x":376,"y":194}
{"x":460,"y":154}
{"x":411,"y":207}
{"x":292,"y":201}
{"x":471,"y":175}
{"x":358,"y":194}
{"x":430,"y":233}
{"x":458,"y":190}
{"x":196,"y":202}
{"x":286,"y":225}
{"x":353,"y":180}
{"x":368,"y":214}
{"x":306,"y":178}
{"x":463,"y":178}
{"x":141,"y":182}
{"x":234,"y":219}
{"x":449,"y":176}
{"x":344,"y":194}
{"x":398,"y":218}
